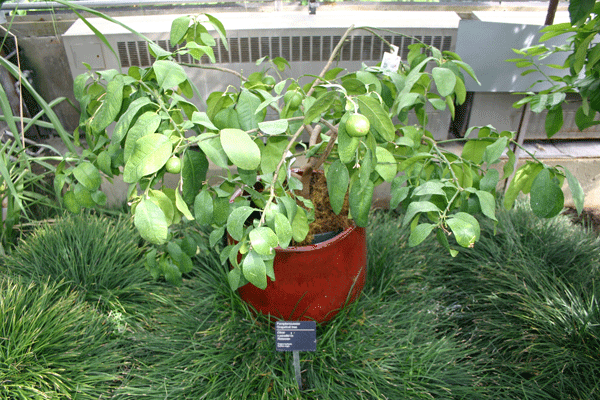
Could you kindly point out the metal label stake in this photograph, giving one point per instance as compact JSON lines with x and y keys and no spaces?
{"x":296,"y":336}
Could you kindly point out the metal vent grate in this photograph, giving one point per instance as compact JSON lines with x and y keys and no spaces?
{"x":293,"y":48}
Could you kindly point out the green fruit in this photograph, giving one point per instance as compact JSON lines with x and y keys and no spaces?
{"x":173,"y":165}
{"x":357,"y":125}
{"x":269,"y":80}
{"x":293,"y":99}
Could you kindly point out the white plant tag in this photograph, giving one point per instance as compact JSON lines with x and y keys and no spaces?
{"x":391,"y":60}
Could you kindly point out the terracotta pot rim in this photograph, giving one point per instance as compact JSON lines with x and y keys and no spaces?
{"x":320,"y":245}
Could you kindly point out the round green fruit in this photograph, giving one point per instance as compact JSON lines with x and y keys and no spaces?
{"x":357,"y":125}
{"x":269,"y":80}
{"x":293,"y":99}
{"x":173,"y":165}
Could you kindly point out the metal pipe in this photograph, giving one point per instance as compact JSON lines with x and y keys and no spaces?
{"x":108,"y":3}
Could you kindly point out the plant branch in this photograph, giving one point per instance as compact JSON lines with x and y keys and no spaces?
{"x":332,"y":58}
{"x":212,"y":67}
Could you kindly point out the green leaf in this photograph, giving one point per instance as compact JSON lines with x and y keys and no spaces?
{"x":465,"y":228}
{"x":150,"y":221}
{"x":521,"y":182}
{"x":211,"y":146}
{"x":338,"y":179}
{"x":283,"y":229}
{"x":386,"y":167}
{"x":71,"y":203}
{"x":490,"y":180}
{"x":492,"y":153}
{"x":445,"y":80}
{"x":83,"y":196}
{"x":274,"y":127}
{"x":554,"y":121}
{"x":246,"y":108}
{"x":125,"y":120}
{"x":398,"y":191}
{"x":263,"y":240}
{"x":378,"y":117}
{"x":146,"y":124}
{"x":430,"y":188}
{"x":300,"y":225}
{"x":546,"y":197}
{"x":182,"y":207}
{"x":162,"y":200}
{"x":579,"y":9}
{"x":237,"y":220}
{"x":179,"y":28}
{"x":234,"y":276}
{"x":169,"y":74}
{"x":220,"y":29}
{"x":193,"y":174}
{"x":88,"y":176}
{"x":203,"y":208}
{"x":110,"y":107}
{"x":216,"y":236}
{"x":255,"y":270}
{"x":240,"y":148}
{"x":360,"y":199}
{"x":201,"y":118}
{"x":419,"y":234}
{"x":487,"y":202}
{"x":347,"y":144}
{"x":150,"y":154}
{"x":576,"y":191}
{"x":468,"y":69}
{"x":320,"y":106}
{"x":418,"y":207}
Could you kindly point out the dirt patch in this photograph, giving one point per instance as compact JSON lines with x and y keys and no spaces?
{"x":325,"y":219}
{"x":589,"y":218}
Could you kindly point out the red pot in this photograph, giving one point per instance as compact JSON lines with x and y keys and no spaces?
{"x":313,"y":282}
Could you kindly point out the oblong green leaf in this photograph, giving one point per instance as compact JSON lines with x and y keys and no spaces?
{"x":263,"y":240}
{"x":150,"y":221}
{"x":419,"y":234}
{"x":110,"y":107}
{"x":378,"y":117}
{"x":546,"y":197}
{"x":179,"y":28}
{"x":274,"y":127}
{"x":169,"y":74}
{"x":417,"y":207}
{"x":576,"y":191}
{"x":203,"y":208}
{"x":283,"y":229}
{"x":237,"y":220}
{"x":255,"y":270}
{"x":445,"y":80}
{"x":150,"y":154}
{"x":88,"y":176}
{"x":240,"y":148}
{"x":386,"y":167}
{"x":193,"y":174}
{"x":360,"y":198}
{"x":487,"y":202}
{"x":338,"y":179}
{"x":465,"y":228}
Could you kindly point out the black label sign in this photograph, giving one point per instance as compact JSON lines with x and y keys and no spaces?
{"x":296,"y":336}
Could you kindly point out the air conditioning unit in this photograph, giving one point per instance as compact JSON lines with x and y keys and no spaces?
{"x":306,"y":41}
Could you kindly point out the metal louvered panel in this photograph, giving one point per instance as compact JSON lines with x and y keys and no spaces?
{"x":294,"y":48}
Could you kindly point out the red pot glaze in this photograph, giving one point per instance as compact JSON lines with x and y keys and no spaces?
{"x":313,"y":282}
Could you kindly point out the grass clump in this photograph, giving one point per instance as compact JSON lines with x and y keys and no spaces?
{"x":99,"y":257}
{"x":52,"y":346}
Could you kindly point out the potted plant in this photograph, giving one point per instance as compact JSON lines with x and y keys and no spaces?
{"x":141,"y":124}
